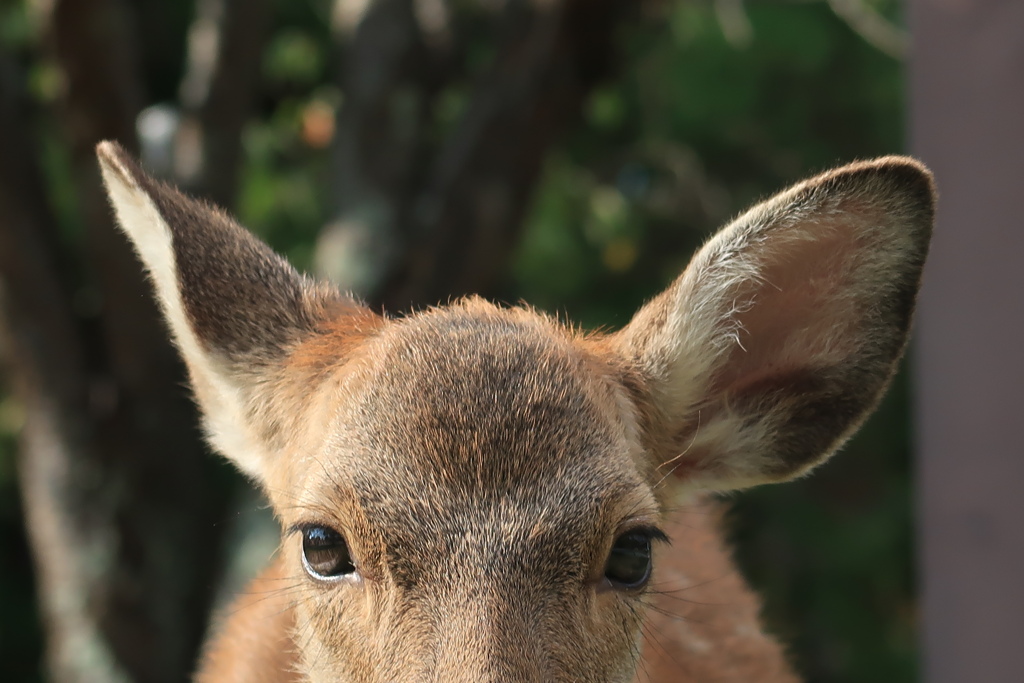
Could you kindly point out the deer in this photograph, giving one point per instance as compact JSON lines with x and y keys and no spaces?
{"x":475,"y":492}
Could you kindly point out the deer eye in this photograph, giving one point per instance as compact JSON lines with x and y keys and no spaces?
{"x":629,"y":562}
{"x":325,"y":554}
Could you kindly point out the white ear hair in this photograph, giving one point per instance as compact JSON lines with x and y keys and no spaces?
{"x":784,"y":331}
{"x":235,"y":308}
{"x":140,"y":219}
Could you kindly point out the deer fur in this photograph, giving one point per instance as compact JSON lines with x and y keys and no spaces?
{"x":480,"y":462}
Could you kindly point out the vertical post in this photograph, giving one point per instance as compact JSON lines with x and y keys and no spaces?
{"x":967,"y":123}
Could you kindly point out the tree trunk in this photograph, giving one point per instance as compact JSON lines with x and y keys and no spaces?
{"x":111,"y":466}
{"x":115,"y":478}
{"x":967,"y":110}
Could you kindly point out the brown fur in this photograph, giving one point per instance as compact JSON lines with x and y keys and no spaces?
{"x":480,"y":461}
{"x":254,"y":643}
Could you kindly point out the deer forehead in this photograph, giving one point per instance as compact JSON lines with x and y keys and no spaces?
{"x":494,"y":428}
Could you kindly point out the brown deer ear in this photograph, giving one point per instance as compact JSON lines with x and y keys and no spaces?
{"x":235,"y":308}
{"x":785,"y":329}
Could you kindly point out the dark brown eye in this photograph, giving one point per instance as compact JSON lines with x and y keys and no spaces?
{"x":325,"y":554}
{"x":629,"y":562}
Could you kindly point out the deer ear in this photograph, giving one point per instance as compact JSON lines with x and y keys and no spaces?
{"x":236,"y":309}
{"x":785,"y":329}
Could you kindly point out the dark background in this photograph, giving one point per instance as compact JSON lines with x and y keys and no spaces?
{"x":570,"y":153}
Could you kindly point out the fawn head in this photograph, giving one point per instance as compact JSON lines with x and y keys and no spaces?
{"x":475,"y":493}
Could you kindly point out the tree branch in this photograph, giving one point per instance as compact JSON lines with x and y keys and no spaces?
{"x":225,"y":47}
{"x":420,"y":220}
{"x":470,"y":210}
{"x":872,"y":27}
{"x":388,"y":88}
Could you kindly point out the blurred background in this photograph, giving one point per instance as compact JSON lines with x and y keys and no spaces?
{"x":570,"y":153}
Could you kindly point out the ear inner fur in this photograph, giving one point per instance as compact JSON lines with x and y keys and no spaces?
{"x":785,"y":329}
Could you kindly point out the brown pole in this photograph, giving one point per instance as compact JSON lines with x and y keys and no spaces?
{"x":967,"y":123}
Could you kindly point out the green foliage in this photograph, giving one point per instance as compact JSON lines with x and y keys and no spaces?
{"x":293,"y":57}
